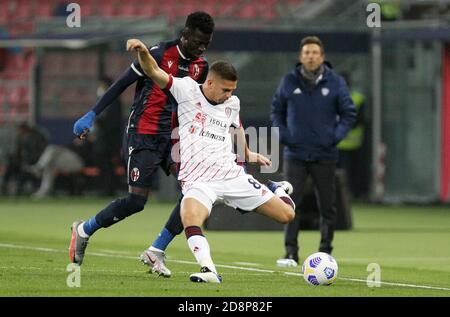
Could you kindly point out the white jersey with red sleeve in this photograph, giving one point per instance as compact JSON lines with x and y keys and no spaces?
{"x":204,"y":130}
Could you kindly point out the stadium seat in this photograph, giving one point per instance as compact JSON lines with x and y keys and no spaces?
{"x":147,"y":10}
{"x":249,"y":10}
{"x":168,"y":8}
{"x":2,"y":95}
{"x":24,"y":10}
{"x":268,"y":9}
{"x":88,"y":7}
{"x":43,"y":9}
{"x":128,"y":8}
{"x":108,"y":8}
{"x":13,"y":97}
{"x":211,"y":8}
{"x":226,"y":7}
{"x":3,"y":17}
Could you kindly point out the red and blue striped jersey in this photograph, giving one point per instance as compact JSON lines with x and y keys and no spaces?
{"x":152,"y":108}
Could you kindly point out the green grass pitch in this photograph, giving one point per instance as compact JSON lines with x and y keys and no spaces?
{"x":411,"y":245}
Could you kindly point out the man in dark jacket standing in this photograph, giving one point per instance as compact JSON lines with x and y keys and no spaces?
{"x":313,"y":110}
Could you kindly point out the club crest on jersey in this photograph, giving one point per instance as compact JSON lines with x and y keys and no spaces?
{"x":325,"y":91}
{"x":196,"y":71}
{"x":228,"y":111}
{"x":134,"y":174}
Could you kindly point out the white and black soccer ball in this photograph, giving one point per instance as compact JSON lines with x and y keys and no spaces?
{"x":320,"y":269}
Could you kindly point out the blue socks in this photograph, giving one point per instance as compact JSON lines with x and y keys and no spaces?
{"x":163,"y":240}
{"x":91,"y":226}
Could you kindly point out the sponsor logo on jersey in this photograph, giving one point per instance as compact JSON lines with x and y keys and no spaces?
{"x":192,"y":129}
{"x":200,"y":118}
{"x":169,"y":63}
{"x":213,"y":136}
{"x":218,"y":123}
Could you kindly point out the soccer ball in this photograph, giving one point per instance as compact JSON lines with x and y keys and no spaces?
{"x":320,"y":269}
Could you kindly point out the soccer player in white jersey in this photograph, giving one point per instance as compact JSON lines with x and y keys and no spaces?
{"x":208,"y":171}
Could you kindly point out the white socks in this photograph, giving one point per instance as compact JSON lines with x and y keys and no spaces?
{"x":81,"y":232}
{"x":200,"y":248}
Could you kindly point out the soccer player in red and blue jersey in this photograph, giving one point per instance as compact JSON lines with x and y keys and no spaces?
{"x":149,"y":127}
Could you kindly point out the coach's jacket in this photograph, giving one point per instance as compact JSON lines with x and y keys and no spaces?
{"x":312,"y":119}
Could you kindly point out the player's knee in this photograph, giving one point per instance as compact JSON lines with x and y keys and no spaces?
{"x":191,"y":217}
{"x":132,"y":204}
{"x":187,"y":217}
{"x":136,"y":203}
{"x":119,"y":209}
{"x":290,"y":214}
{"x":287,"y":214}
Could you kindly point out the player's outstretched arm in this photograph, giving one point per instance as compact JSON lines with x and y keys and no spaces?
{"x":250,"y":157}
{"x":148,"y":63}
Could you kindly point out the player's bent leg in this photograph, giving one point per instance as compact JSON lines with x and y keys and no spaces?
{"x":277,"y":209}
{"x":113,"y":213}
{"x":120,"y":209}
{"x":154,"y":256}
{"x":193,"y":212}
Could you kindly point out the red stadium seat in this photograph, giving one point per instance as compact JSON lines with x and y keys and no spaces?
{"x":249,"y":10}
{"x":88,"y":7}
{"x":147,"y":10}
{"x":127,"y":9}
{"x":210,"y":7}
{"x":43,"y":9}
{"x":14,"y":96}
{"x":108,"y":8}
{"x":24,"y":10}
{"x":3,"y":17}
{"x":2,"y":95}
{"x":226,"y":7}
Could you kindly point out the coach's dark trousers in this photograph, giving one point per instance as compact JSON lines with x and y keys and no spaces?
{"x":323,"y":176}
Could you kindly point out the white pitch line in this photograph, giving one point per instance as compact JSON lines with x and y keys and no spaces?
{"x":13,"y":246}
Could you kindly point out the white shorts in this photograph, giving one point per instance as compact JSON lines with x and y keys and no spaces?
{"x":243,"y":192}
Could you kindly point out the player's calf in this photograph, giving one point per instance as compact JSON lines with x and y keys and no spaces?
{"x":278,"y":210}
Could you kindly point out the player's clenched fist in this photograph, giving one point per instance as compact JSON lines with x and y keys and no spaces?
{"x":136,"y":45}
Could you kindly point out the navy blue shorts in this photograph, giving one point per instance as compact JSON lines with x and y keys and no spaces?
{"x":144,"y":153}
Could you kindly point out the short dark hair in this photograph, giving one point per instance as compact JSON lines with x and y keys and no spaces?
{"x":311,"y":40}
{"x":200,"y":20}
{"x":224,"y":70}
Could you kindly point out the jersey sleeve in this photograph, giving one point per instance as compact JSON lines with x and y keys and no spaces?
{"x":156,"y":52}
{"x":236,"y":120}
{"x":181,"y":88}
